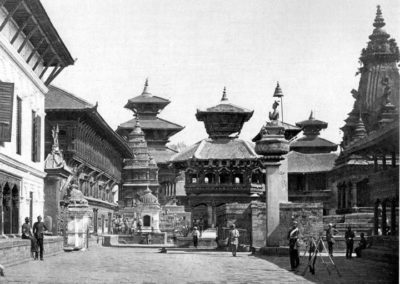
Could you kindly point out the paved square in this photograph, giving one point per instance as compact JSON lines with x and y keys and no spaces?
{"x":146,"y":265}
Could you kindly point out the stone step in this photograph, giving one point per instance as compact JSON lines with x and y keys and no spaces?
{"x":358,"y":216}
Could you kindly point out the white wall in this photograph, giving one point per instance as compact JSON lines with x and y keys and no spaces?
{"x":14,"y":69}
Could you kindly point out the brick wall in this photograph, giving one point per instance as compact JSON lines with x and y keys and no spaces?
{"x":258,"y":224}
{"x":14,"y":251}
{"x":308,"y":216}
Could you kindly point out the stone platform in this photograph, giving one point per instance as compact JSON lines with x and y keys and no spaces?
{"x":15,"y":250}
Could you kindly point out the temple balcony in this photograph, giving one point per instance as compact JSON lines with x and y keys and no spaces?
{"x":225,"y":188}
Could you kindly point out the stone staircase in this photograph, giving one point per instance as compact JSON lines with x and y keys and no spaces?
{"x":361,"y":222}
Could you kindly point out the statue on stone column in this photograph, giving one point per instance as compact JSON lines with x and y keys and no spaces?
{"x":273,"y":116}
{"x":54,"y":133}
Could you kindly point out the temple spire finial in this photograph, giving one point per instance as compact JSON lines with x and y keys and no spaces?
{"x":311,"y":115}
{"x":278,"y":91}
{"x":379,"y":21}
{"x":224,"y":97}
{"x":146,"y":85}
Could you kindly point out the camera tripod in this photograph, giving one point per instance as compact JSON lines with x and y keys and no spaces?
{"x":314,"y":247}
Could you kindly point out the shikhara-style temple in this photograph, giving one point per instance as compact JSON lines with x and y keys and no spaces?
{"x":366,"y":174}
{"x":157,"y":132}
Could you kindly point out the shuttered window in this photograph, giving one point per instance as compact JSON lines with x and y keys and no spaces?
{"x":33,"y":146}
{"x":6,"y":110}
{"x":36,"y":137}
{"x":19,"y":125}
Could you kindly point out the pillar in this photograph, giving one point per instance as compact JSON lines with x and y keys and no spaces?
{"x":384,"y":162}
{"x":354,"y":194}
{"x":110,"y":223}
{"x":95,"y":220}
{"x":393,"y":159}
{"x":384,"y":218}
{"x":1,"y":213}
{"x":210,"y":215}
{"x":376,"y":217}
{"x":393,"y":217}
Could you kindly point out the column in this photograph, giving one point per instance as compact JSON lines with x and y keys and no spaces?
{"x":95,"y":220}
{"x":384,"y":161}
{"x":354,"y":194}
{"x":393,"y":159}
{"x":209,"y":214}
{"x":376,"y":217}
{"x":393,"y":217}
{"x":1,"y":213}
{"x":272,"y":202}
{"x":109,"y":223}
{"x":384,"y":218}
{"x":375,"y":163}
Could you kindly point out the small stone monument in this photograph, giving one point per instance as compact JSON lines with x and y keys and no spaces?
{"x":77,"y":220}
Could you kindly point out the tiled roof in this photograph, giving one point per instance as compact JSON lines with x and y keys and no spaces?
{"x":305,"y":142}
{"x":219,"y":149}
{"x":310,"y":163}
{"x":57,"y":98}
{"x":156,"y":123}
{"x":227,"y":107}
{"x":148,"y":99}
{"x":162,"y":155}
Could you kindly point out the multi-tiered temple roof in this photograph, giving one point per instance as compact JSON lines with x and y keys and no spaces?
{"x":157,"y":130}
{"x":223,"y":124}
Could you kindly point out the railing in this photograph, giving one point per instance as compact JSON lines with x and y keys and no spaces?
{"x":210,"y":188}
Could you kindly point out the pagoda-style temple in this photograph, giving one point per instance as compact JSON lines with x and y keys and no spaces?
{"x":157,"y":132}
{"x":309,"y":162}
{"x":93,"y":155}
{"x":366,"y":174}
{"x":221,"y":169}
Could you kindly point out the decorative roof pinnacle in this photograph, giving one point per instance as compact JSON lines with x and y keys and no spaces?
{"x":278,"y":91}
{"x":379,"y":21}
{"x":224,"y":97}
{"x":311,"y":116}
{"x":146,"y":84}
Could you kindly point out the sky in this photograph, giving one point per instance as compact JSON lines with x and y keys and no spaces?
{"x":191,"y":49}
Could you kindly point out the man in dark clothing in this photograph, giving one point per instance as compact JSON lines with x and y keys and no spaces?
{"x":293,"y":236}
{"x":38,"y":231}
{"x":361,"y":245}
{"x":349,"y":237}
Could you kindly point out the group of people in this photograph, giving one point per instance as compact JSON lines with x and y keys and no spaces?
{"x":36,"y":237}
{"x":233,"y":239}
{"x":294,"y":244}
{"x":122,"y":226}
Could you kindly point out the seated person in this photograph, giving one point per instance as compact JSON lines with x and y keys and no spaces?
{"x":361,"y":245}
{"x":27,"y":234}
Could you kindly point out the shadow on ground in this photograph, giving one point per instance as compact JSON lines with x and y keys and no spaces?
{"x":355,"y":270}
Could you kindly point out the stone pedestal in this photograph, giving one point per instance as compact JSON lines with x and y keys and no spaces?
{"x":272,"y":145}
{"x":78,"y":221}
{"x":77,"y":227}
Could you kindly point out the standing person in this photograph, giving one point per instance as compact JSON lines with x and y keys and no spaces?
{"x":349,"y":237}
{"x":330,"y":238}
{"x":293,"y":237}
{"x":234,"y":239}
{"x":201,"y":225}
{"x":196,"y":236}
{"x":27,"y":234}
{"x":38,"y":231}
{"x":139,"y":225}
{"x":361,"y":245}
